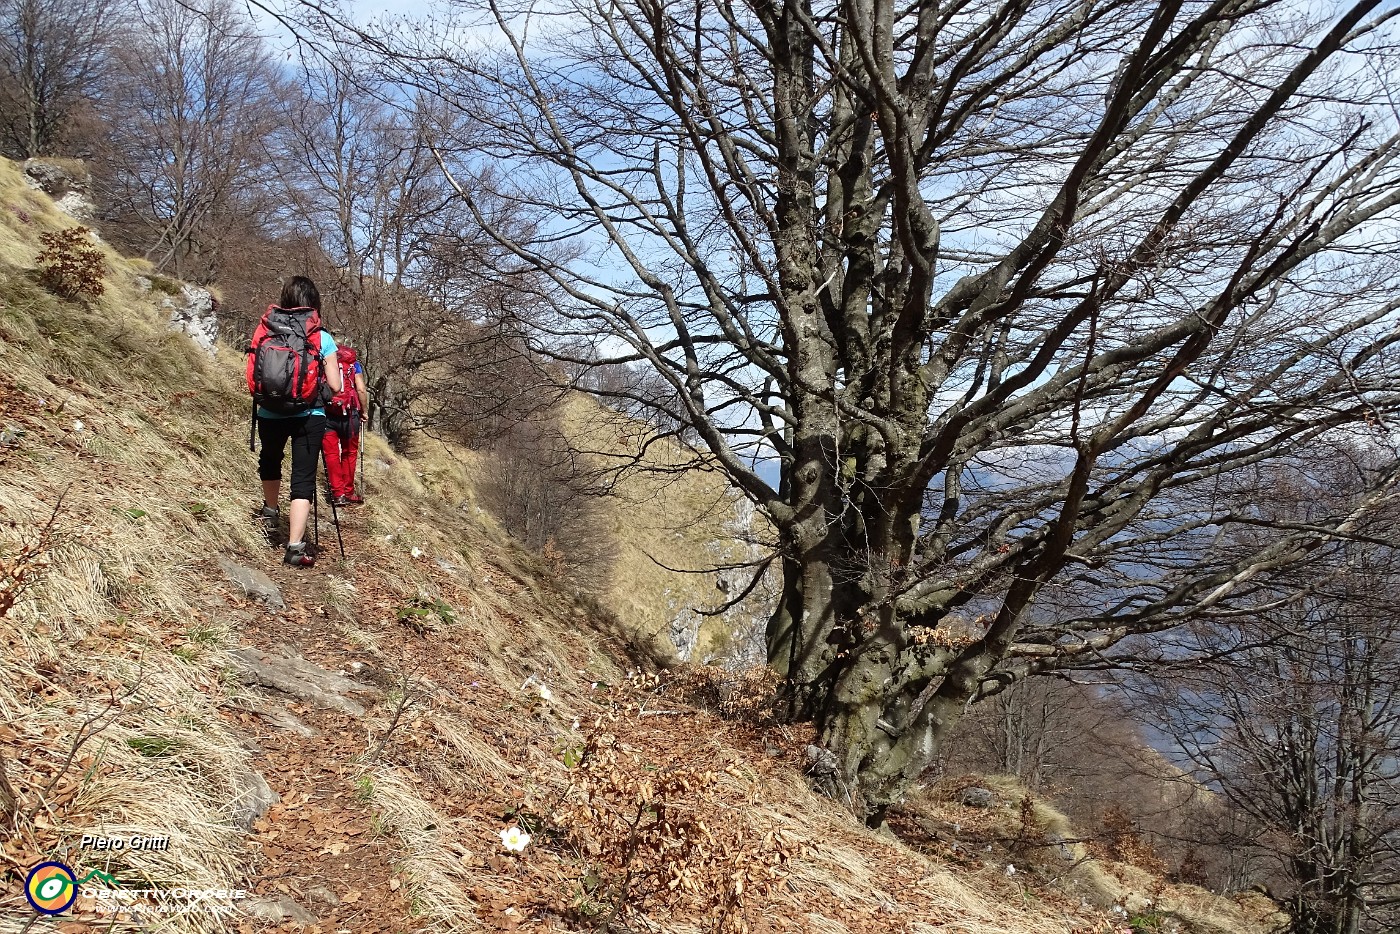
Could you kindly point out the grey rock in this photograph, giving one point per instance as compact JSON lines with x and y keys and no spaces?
{"x":252,"y":798}
{"x":1062,"y":847}
{"x":77,"y":206}
{"x":292,"y":674}
{"x":68,"y":185}
{"x":821,"y":761}
{"x":254,"y":584}
{"x":286,"y":720}
{"x":977,"y":797}
{"x":685,"y":633}
{"x":276,"y":909}
{"x":193,"y":313}
{"x":264,"y":705}
{"x":738,"y":609}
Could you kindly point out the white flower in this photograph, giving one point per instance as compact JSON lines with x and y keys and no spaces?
{"x":1010,"y":869}
{"x":514,"y":839}
{"x":545,"y":693}
{"x":417,"y":552}
{"x":78,"y":425}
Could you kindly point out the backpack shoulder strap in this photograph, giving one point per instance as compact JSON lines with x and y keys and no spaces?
{"x":260,"y":330}
{"x":314,"y":330}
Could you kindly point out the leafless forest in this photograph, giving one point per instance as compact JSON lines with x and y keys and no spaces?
{"x":1055,"y":341}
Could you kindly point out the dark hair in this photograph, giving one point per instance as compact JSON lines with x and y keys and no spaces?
{"x":300,"y":292}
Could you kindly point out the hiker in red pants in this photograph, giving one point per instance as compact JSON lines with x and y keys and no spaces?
{"x":341,"y":441}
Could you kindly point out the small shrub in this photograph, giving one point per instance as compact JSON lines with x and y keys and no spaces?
{"x":658,"y":838}
{"x":416,"y":613}
{"x":20,"y":569}
{"x":1149,"y":922}
{"x":364,"y":788}
{"x":1031,"y":840}
{"x":749,"y":694}
{"x":1123,"y":842}
{"x":69,"y":265}
{"x":164,"y":285}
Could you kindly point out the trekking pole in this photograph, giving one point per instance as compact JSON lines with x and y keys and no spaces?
{"x":315,"y":519}
{"x":360,"y":456}
{"x":335,"y":515}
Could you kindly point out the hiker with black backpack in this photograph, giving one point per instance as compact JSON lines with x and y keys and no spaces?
{"x":341,"y":442}
{"x":291,"y":384}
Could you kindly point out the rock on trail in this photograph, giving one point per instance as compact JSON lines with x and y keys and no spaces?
{"x":292,"y":674}
{"x":255,"y":584}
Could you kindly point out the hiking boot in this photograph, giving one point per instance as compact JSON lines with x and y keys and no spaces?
{"x":269,"y":518}
{"x":354,"y":499}
{"x":340,"y":501}
{"x":297,"y":556}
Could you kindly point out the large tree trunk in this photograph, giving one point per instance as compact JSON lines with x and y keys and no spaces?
{"x":850,"y":664}
{"x":883,"y":737}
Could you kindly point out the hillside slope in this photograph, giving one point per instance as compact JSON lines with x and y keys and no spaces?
{"x":347,"y":744}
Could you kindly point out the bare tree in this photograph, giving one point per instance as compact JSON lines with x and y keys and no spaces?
{"x":53,"y":56}
{"x":987,"y":284}
{"x":398,"y":256}
{"x":192,"y":109}
{"x":541,"y":490}
{"x":1298,"y":727}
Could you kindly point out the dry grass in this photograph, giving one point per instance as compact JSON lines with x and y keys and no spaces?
{"x":128,"y":426}
{"x":435,"y":854}
{"x":990,"y":838}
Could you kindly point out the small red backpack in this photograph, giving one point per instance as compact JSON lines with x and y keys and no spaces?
{"x":347,"y":401}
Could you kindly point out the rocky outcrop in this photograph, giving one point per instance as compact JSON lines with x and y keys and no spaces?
{"x":746,"y":620}
{"x":65,"y":181}
{"x":255,"y":584}
{"x":977,"y":797}
{"x":253,"y":796}
{"x":280,"y":909}
{"x":193,"y":313}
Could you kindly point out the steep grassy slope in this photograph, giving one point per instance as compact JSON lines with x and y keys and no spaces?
{"x":469,"y":693}
{"x":674,"y":526}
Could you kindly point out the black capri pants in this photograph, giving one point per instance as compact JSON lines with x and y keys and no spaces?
{"x":305,"y":434}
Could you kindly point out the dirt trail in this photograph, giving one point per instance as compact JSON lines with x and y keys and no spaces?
{"x":323,"y":863}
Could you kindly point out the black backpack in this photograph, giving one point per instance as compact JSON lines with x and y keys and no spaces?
{"x":285,"y":372}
